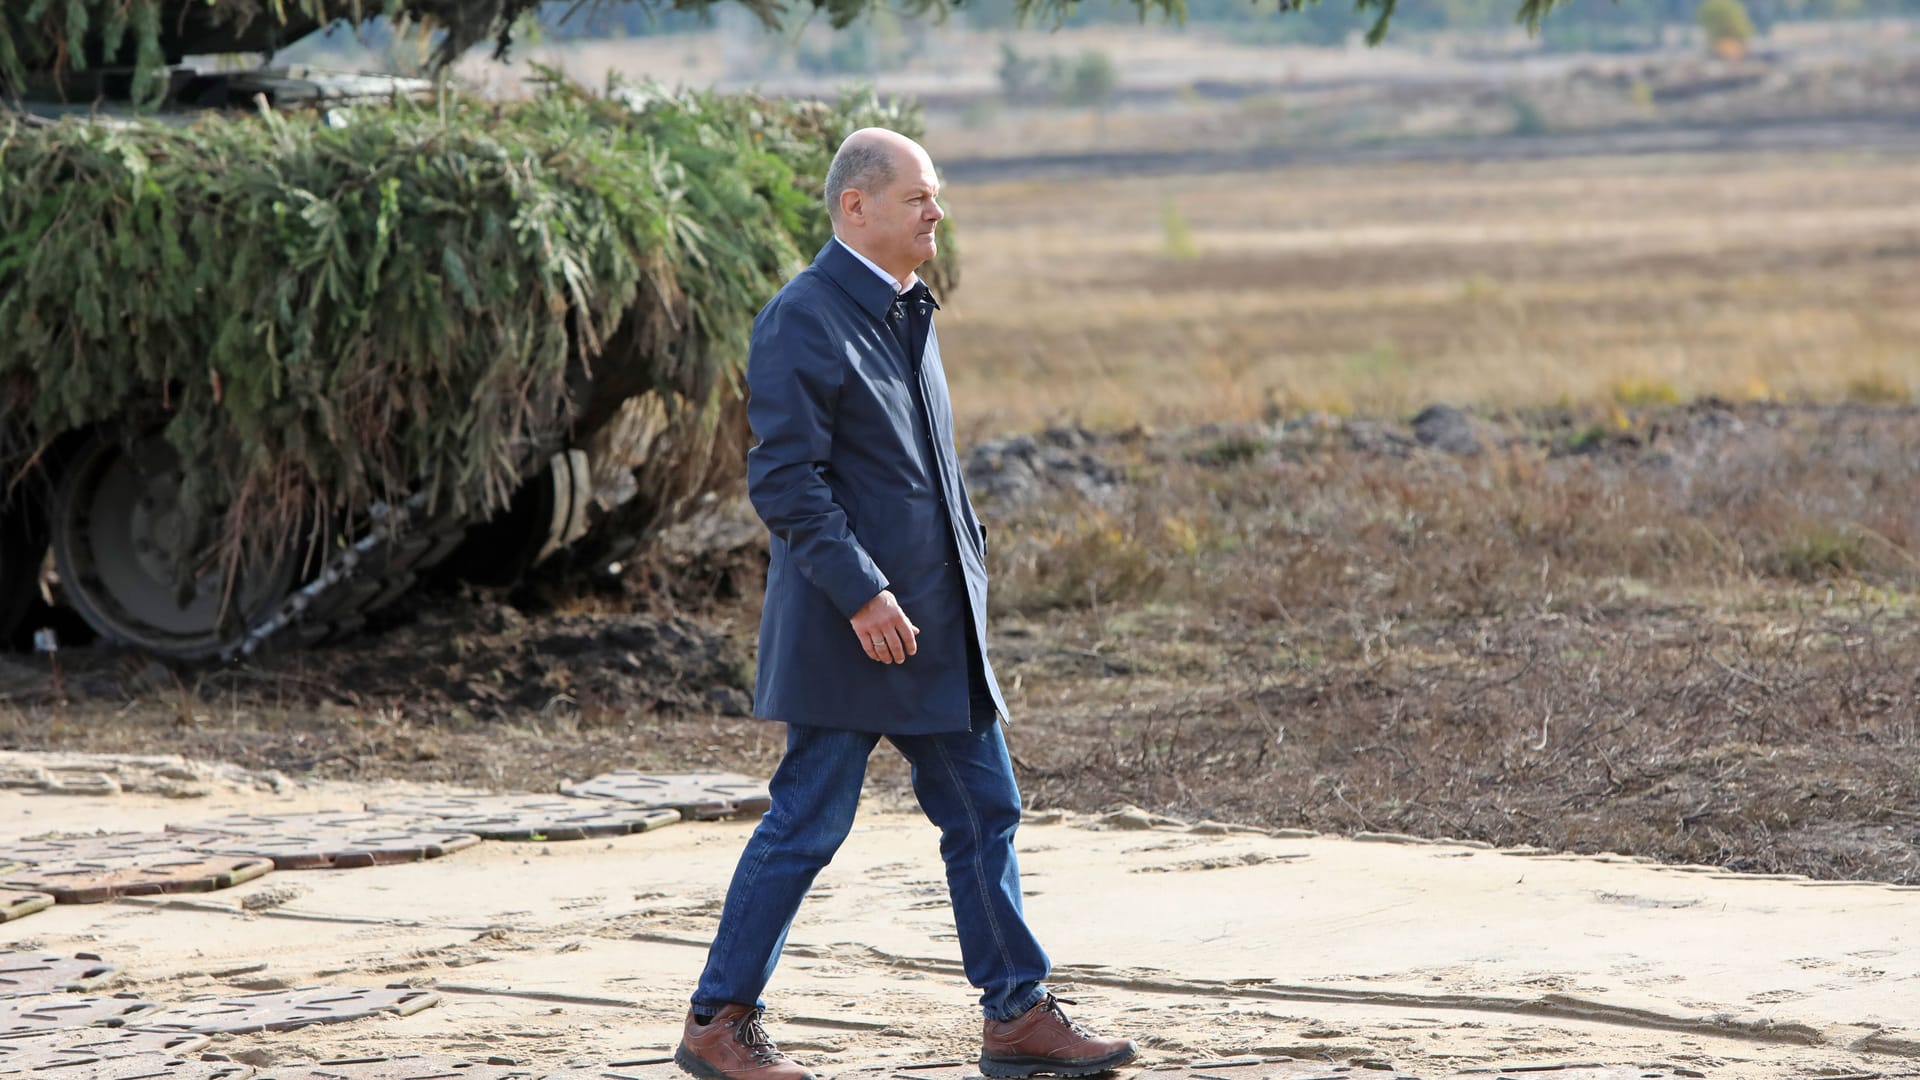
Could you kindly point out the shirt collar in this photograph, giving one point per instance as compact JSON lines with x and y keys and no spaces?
{"x":897,"y":286}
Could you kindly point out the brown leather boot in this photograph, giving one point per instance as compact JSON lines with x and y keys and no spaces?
{"x":734,"y":1047}
{"x":1043,"y":1040}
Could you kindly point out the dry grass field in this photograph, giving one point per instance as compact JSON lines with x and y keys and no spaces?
{"x":1628,"y":623}
{"x":1174,"y":300}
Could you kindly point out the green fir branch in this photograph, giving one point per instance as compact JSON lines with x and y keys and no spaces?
{"x":322,"y":317}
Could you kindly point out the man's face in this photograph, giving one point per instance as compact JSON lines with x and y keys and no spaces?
{"x":901,"y":218}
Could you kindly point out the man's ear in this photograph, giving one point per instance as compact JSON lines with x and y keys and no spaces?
{"x":852,"y":205}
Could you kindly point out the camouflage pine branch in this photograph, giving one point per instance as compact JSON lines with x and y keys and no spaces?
{"x":322,"y":318}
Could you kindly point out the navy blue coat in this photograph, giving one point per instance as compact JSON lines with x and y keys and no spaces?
{"x":854,"y":473}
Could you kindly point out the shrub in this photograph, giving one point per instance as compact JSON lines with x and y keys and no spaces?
{"x":1231,"y":451}
{"x":1637,"y":393}
{"x":1879,"y":388}
{"x":1019,"y":74}
{"x":1527,"y":117}
{"x":1177,"y":237}
{"x":1819,"y":553}
{"x":1089,"y":81}
{"x":1090,"y":561}
{"x":1727,"y":26}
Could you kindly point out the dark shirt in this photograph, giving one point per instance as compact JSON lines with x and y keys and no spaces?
{"x":911,"y":320}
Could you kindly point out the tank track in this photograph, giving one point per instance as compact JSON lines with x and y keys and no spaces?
{"x":336,"y":595}
{"x":355,"y":581}
{"x":391,"y":558}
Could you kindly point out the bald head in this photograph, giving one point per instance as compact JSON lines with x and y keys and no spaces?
{"x":882,"y":195}
{"x":868,"y":161}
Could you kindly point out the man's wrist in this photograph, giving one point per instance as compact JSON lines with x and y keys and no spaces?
{"x":853,"y":596}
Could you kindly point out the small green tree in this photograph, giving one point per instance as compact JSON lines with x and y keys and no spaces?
{"x":1090,"y":81}
{"x":1527,"y":117}
{"x":1177,"y":236}
{"x":1727,"y":26}
{"x":1019,"y":74}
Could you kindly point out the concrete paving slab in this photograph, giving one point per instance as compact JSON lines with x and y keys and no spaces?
{"x":292,"y":848}
{"x":530,"y":817}
{"x":25,"y":973}
{"x":409,"y":1067}
{"x":165,"y":1067}
{"x":57,"y":1012}
{"x":73,"y":1053}
{"x":20,"y":903}
{"x":285,"y":1010}
{"x":698,"y":795}
{"x":653,"y":1068}
{"x":1583,"y":1073}
{"x":86,"y":882}
{"x":110,"y":847}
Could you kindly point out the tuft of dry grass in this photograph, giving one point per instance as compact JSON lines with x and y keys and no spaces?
{"x":1705,"y":501}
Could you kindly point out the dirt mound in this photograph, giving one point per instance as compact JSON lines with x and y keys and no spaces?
{"x":491,"y":660}
{"x":461,"y":659}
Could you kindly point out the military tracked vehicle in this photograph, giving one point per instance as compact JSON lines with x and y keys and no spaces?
{"x":172,"y":493}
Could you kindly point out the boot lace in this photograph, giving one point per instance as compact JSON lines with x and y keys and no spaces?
{"x":1052,"y":1005}
{"x":752,"y":1034}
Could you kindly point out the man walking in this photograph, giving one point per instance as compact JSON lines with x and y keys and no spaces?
{"x":875,"y":625}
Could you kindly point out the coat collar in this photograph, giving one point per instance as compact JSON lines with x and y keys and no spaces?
{"x":862,"y":284}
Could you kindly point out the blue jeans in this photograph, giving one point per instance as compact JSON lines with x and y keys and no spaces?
{"x":965,"y":784}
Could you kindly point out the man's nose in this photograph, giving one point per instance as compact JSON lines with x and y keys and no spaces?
{"x":935,"y":211}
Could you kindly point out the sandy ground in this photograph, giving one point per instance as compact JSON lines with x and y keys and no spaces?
{"x":1203,"y":944}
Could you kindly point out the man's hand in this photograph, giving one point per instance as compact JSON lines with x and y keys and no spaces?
{"x":885,"y":631}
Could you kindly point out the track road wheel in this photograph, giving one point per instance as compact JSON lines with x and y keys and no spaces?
{"x":120,"y":538}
